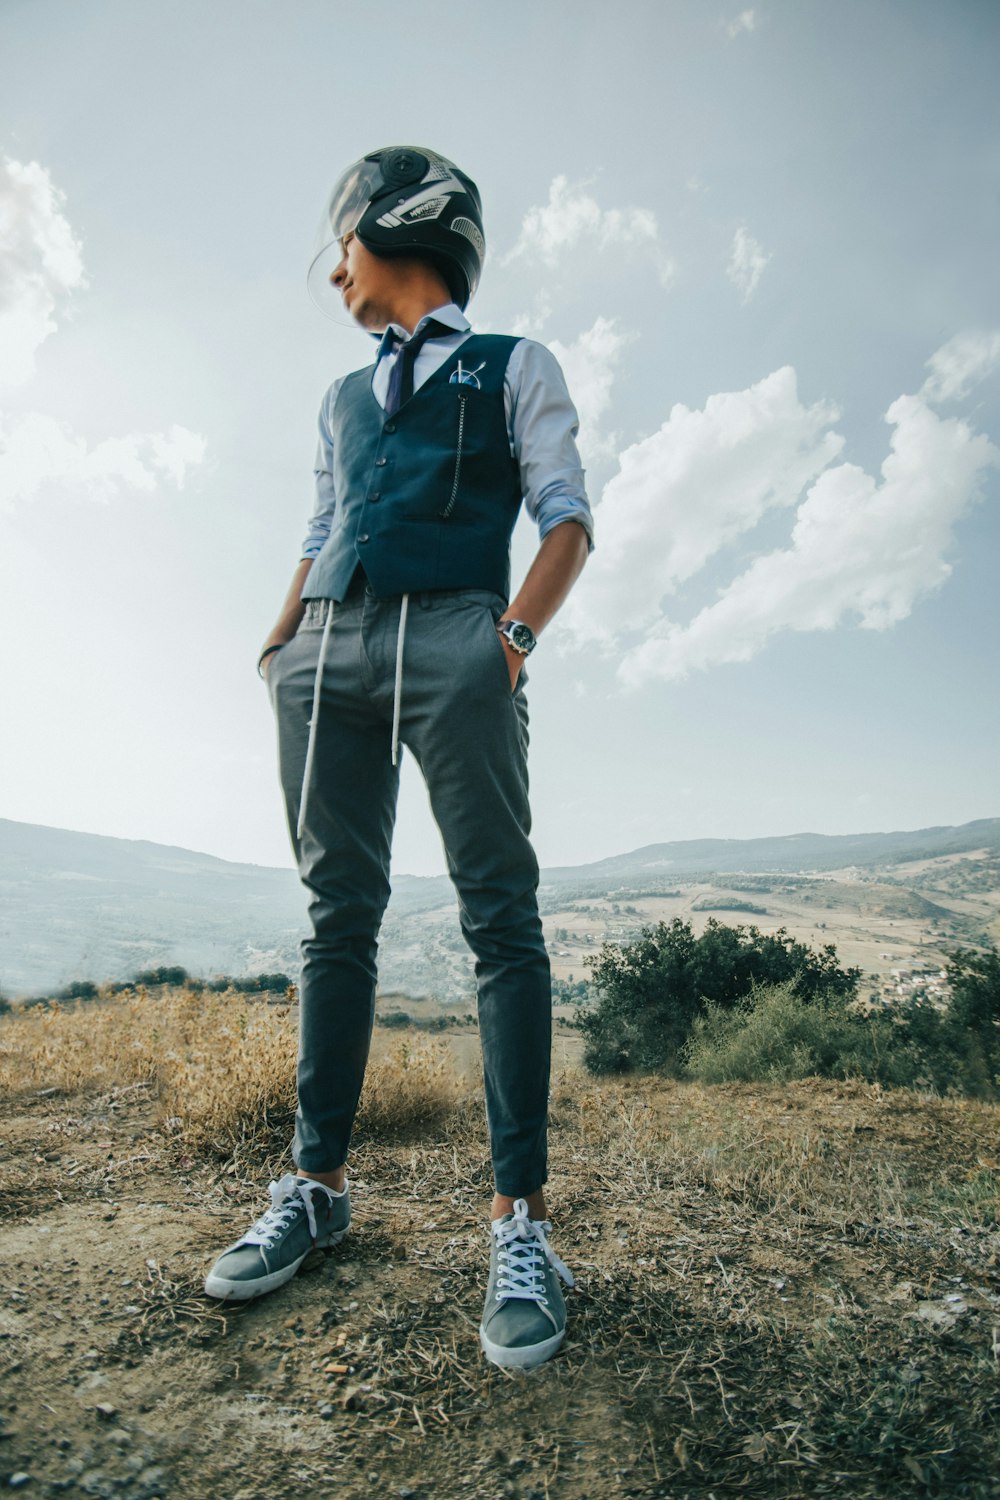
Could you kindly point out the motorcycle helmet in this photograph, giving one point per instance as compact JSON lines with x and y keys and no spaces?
{"x":403,"y":200}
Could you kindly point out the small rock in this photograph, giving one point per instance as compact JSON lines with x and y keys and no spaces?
{"x":326,"y":1411}
{"x":17,"y":1481}
{"x":106,"y":1411}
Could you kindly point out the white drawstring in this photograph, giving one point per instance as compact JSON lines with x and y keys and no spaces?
{"x":317,"y":695}
{"x":397,"y":697}
{"x":313,"y":721}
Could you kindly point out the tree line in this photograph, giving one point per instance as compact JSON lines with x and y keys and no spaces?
{"x":165,"y":974}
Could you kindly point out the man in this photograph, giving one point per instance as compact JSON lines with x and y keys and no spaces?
{"x":397,"y":630}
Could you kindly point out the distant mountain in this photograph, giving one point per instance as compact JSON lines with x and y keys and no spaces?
{"x":82,"y":906}
{"x":794,"y":853}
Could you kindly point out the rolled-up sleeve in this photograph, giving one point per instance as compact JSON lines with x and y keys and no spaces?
{"x":321,"y":520}
{"x":543,"y":425}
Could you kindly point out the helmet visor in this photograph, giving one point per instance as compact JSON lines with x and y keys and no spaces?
{"x":345,"y":206}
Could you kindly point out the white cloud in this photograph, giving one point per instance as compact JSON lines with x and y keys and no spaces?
{"x":747,"y":263}
{"x":37,"y":452}
{"x":531,"y":324}
{"x":573,"y":217}
{"x":686,"y":491}
{"x":860,"y":549}
{"x":960,"y":364}
{"x":590,"y":364}
{"x":745,"y":21}
{"x":40,"y":263}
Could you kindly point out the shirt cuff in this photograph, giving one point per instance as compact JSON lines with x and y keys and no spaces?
{"x":556,"y":509}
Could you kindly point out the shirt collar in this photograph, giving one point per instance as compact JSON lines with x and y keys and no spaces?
{"x":450,"y":314}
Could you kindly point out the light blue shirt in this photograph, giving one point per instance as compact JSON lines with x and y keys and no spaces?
{"x":541,"y":428}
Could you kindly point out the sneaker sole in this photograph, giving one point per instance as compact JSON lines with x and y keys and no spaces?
{"x":525,"y":1357}
{"x":246,"y":1291}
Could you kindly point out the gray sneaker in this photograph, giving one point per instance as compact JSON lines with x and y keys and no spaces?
{"x":524,"y":1320}
{"x":304,"y":1215}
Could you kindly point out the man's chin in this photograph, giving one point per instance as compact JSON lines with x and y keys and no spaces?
{"x":367,"y":318}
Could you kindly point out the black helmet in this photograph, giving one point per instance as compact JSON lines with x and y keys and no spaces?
{"x":403,"y":200}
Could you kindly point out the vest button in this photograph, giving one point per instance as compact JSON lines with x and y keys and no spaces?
{"x":363,"y":537}
{"x":375,"y":495}
{"x":389,"y":427}
{"x":380,"y":463}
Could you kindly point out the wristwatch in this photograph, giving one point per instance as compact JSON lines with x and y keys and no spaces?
{"x":520,"y":636}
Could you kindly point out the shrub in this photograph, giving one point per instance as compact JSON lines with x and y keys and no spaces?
{"x":773,"y":1036}
{"x":651,"y":991}
{"x":80,"y":989}
{"x":975,"y":1004}
{"x":165,"y":974}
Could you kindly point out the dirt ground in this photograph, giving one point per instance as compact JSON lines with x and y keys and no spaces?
{"x":781,"y":1292}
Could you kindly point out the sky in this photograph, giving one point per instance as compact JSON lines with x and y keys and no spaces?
{"x":763,"y":242}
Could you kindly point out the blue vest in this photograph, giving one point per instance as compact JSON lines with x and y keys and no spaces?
{"x":426,"y":498}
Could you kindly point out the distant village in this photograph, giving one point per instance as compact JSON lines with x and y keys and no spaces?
{"x":902,"y":986}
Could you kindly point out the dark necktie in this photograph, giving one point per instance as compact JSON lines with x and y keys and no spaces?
{"x":401,"y":374}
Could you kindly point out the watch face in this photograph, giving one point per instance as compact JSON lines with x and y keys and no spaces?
{"x":521,"y":637}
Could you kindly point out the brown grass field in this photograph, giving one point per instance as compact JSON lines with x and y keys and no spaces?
{"x":780,"y":1291}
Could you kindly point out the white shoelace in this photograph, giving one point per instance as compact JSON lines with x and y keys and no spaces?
{"x":287,"y":1197}
{"x":521,"y":1245}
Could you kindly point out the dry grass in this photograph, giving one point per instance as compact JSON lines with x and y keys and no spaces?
{"x":222,"y":1066}
{"x":812,"y":1146}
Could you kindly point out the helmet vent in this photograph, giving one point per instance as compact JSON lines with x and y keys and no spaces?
{"x":466,"y":227}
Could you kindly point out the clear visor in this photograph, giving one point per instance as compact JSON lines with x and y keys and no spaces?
{"x":343,"y":212}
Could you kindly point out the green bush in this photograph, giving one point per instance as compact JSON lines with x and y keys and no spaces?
{"x":171,"y":974}
{"x":975,"y":1005}
{"x":651,"y":991}
{"x":773,"y":1036}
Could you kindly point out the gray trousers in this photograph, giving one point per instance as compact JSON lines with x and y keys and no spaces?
{"x":469,"y":735}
